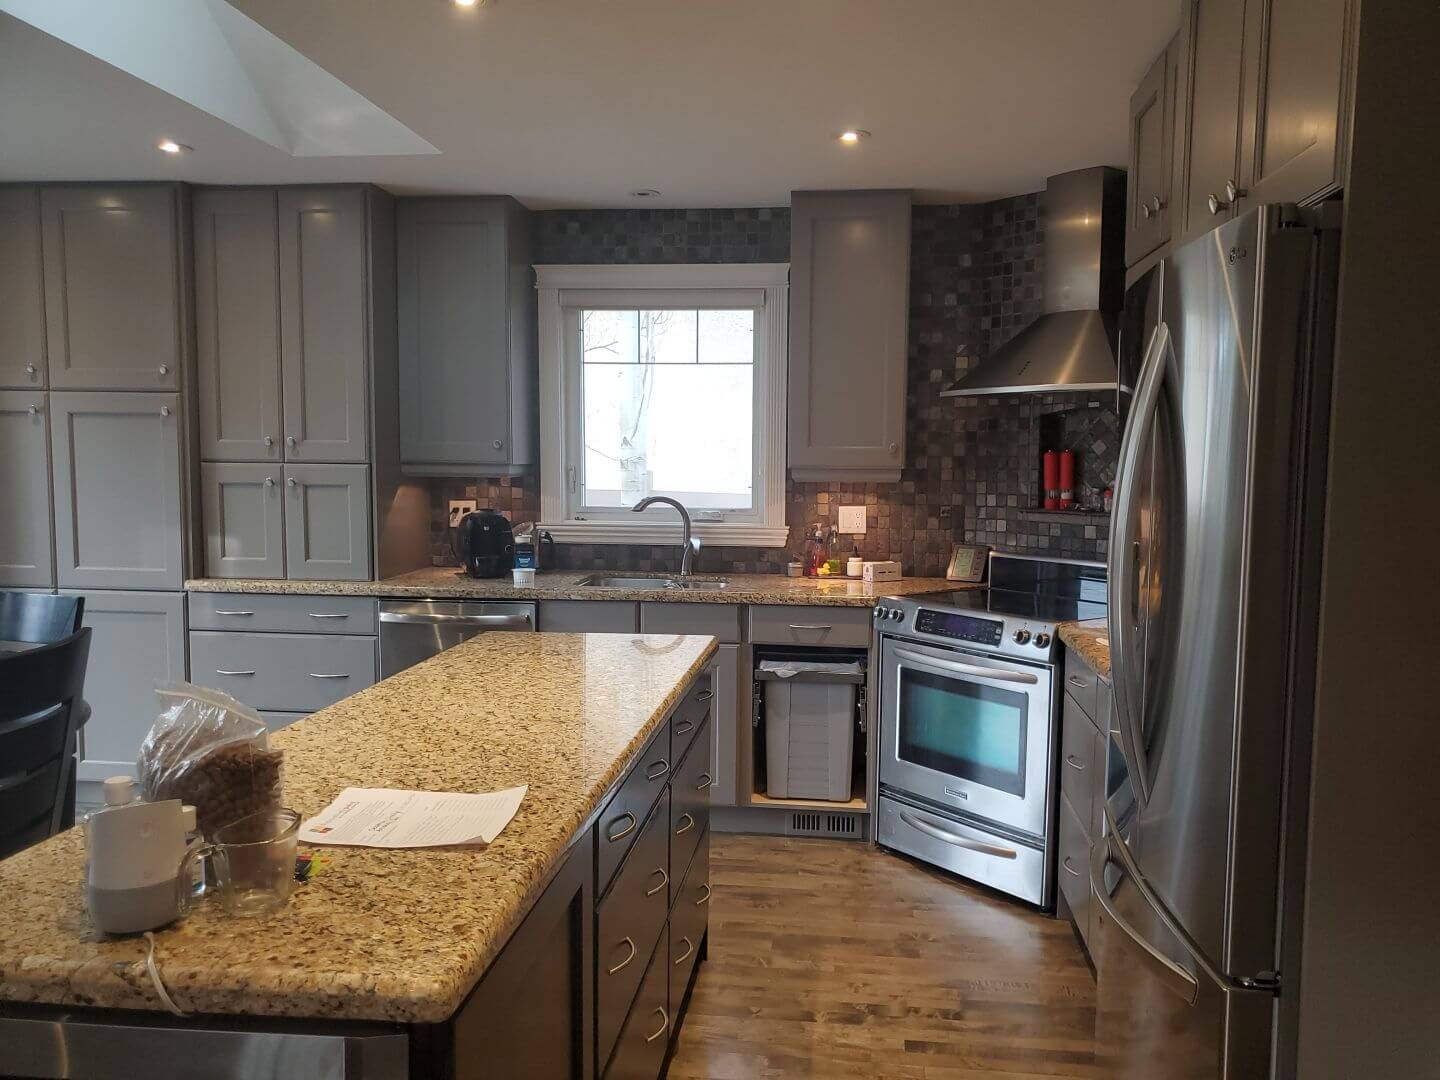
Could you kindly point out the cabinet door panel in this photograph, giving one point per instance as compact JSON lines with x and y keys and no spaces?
{"x":1148,"y":188}
{"x":323,"y":323}
{"x":588,"y":616}
{"x":22,"y":303}
{"x":112,"y":287}
{"x":1212,"y":159}
{"x":244,"y":520}
{"x":117,"y":490}
{"x":730,"y":720}
{"x":327,"y":522}
{"x":237,"y":320}
{"x":137,"y":643}
{"x":26,"y":557}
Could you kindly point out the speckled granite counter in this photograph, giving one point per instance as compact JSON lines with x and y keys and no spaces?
{"x":447,"y":582}
{"x":386,"y":935}
{"x":1091,"y":640}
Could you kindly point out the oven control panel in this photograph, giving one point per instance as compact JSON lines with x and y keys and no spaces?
{"x":950,"y":624}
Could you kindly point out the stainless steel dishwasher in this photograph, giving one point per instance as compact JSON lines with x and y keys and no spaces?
{"x":415,"y":630}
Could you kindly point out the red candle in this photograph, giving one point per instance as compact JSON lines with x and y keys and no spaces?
{"x":1067,"y":479}
{"x":1051,"y":479}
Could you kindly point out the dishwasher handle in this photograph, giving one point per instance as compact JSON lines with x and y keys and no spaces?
{"x":485,"y":622}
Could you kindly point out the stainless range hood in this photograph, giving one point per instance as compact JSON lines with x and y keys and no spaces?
{"x":1072,"y":345}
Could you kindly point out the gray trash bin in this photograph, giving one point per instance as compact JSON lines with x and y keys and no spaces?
{"x":809,"y":727}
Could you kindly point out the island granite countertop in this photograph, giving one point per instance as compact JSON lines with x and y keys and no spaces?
{"x":380,"y":935}
{"x":446,"y":582}
{"x":1091,"y":639}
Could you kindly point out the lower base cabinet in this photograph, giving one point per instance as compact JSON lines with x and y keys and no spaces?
{"x":640,"y":1050}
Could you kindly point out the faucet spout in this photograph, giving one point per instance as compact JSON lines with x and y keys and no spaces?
{"x":688,"y":542}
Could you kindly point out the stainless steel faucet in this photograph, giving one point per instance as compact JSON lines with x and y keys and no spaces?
{"x":691,"y":543}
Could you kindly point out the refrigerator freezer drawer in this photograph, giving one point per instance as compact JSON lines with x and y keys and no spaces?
{"x":991,"y":860}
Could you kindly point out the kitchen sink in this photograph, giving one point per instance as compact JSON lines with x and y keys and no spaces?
{"x":652,"y":581}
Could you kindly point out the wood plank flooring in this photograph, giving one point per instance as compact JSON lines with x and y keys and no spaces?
{"x":831,"y":959}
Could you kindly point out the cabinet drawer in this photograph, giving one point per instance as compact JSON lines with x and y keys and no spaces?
{"x":627,"y":923}
{"x":1077,"y":758}
{"x":689,"y":716}
{"x":786,"y":624}
{"x":1074,"y":871}
{"x":688,"y":921}
{"x":640,"y":1050}
{"x":589,"y":616}
{"x":283,"y":613}
{"x":1080,"y":684}
{"x":277,"y":720}
{"x":622,"y":817}
{"x":690,"y":803}
{"x":283,"y":672}
{"x":720,"y":621}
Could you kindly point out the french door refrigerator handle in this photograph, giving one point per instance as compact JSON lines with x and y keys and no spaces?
{"x":955,"y":666}
{"x":1122,"y":568}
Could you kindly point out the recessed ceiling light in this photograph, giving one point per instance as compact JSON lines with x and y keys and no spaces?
{"x":852,"y":136}
{"x":170,"y":146}
{"x":645,"y":193}
{"x":467,"y":3}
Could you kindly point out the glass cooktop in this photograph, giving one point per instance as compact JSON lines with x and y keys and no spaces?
{"x":1025,"y":605}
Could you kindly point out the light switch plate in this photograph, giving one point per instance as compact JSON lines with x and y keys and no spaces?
{"x":852,"y":519}
{"x":459,"y":508}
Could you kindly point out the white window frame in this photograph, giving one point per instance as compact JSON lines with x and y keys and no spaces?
{"x":562,"y":293}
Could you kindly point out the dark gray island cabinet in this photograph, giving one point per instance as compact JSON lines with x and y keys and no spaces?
{"x":592,"y":984}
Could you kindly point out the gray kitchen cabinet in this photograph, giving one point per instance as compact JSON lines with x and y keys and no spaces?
{"x":1148,"y":187}
{"x":237,"y":321}
{"x":114,"y":286}
{"x":117,"y":490}
{"x":324,"y":320}
{"x":26,"y":554}
{"x":730,"y":723}
{"x":1212,"y":145}
{"x":243,"y":510}
{"x":468,"y":366}
{"x":283,"y":672}
{"x":849,"y":310}
{"x":22,"y":284}
{"x":137,"y":643}
{"x":589,"y":616}
{"x":327,"y":522}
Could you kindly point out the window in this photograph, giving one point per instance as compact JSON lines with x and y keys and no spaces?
{"x":663,"y":380}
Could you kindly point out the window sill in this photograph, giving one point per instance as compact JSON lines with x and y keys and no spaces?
{"x":711,"y":534}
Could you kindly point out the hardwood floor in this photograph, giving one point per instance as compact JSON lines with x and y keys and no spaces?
{"x":831,"y":959}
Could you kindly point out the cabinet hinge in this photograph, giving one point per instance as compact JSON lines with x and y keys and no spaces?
{"x":570,"y":478}
{"x":1265,"y":982}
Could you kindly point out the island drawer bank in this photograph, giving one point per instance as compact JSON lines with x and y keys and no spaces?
{"x":480,"y":962}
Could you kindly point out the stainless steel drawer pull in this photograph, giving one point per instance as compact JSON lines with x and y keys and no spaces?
{"x":689,"y":948}
{"x":1077,"y":682}
{"x":664,"y":1026}
{"x":657,"y":769}
{"x":1074,"y":763}
{"x":612,"y":837}
{"x":955,"y":838}
{"x":329,"y":674}
{"x":812,"y":626}
{"x":690,"y":824}
{"x":706,"y":780}
{"x":704,"y":695}
{"x":706,"y":898}
{"x":328,"y":614}
{"x":623,"y":964}
{"x":221,"y":611}
{"x":222,"y":671}
{"x":664,"y":880}
{"x":1068,"y":868}
{"x":684,"y":727}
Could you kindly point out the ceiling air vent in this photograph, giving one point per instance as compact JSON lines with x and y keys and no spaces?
{"x":814,"y":823}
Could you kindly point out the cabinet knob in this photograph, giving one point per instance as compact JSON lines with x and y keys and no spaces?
{"x":29,"y":369}
{"x":290,"y":481}
{"x":164,"y":410}
{"x":497,"y":444}
{"x":290,"y":440}
{"x":1151,"y":207}
{"x":34,"y":410}
{"x":269,"y":440}
{"x":269,"y":481}
{"x":1233,"y":193}
{"x":164,"y":369}
{"x":894,"y":448}
{"x":1215,"y":204}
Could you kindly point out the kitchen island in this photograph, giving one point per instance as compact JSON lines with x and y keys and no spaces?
{"x":473,"y":959}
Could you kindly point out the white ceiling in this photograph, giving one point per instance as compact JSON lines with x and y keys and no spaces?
{"x":576,"y":103}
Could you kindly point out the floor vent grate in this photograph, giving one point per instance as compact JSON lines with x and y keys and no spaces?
{"x":815,"y":823}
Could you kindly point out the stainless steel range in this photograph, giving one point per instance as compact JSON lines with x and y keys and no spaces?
{"x":969,"y":717}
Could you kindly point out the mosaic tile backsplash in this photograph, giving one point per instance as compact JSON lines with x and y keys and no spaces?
{"x":972,"y":470}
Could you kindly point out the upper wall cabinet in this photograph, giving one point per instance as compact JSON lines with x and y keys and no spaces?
{"x":849,"y":306}
{"x":237,"y":322}
{"x":25,"y":539}
{"x":324,"y":320}
{"x":1216,"y":30}
{"x":22,"y":303}
{"x":467,"y":337}
{"x":114,"y":290}
{"x":1152,"y":127}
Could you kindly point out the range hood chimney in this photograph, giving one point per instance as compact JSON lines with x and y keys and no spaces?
{"x":1072,"y":345}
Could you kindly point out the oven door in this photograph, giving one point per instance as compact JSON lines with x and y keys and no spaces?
{"x":967,"y":731}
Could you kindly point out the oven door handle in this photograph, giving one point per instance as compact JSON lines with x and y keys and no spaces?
{"x":956,"y":667}
{"x":948,"y":837}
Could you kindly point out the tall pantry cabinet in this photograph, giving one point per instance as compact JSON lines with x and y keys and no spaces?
{"x":95,"y":341}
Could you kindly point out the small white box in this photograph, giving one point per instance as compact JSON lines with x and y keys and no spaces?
{"x":880,"y":571}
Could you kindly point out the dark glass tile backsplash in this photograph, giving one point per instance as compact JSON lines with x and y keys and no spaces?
{"x":972,"y":470}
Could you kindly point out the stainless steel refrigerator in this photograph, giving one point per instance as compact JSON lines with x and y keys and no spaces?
{"x":1213,"y":579}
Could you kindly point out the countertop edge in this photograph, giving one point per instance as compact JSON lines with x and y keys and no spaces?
{"x":1089,"y":641}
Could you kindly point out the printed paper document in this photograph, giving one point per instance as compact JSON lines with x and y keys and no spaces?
{"x":390,"y":818}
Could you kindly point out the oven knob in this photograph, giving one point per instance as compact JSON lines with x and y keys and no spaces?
{"x":1042,"y":640}
{"x":1022,"y":636}
{"x":896,"y":614}
{"x":879,"y":613}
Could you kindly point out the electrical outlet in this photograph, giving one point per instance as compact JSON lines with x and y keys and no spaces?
{"x":459,"y":508}
{"x":852,"y":520}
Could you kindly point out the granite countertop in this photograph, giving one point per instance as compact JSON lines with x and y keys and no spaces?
{"x":442,"y":582}
{"x":380,"y":935}
{"x":1091,"y":639}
